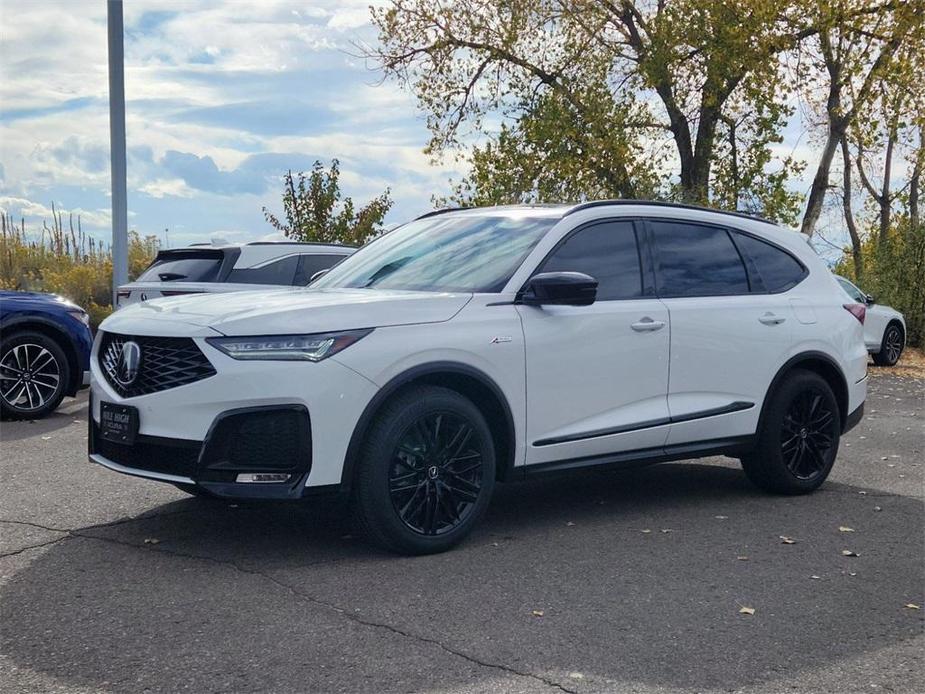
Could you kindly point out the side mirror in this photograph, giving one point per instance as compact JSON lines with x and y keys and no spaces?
{"x":318,"y":274}
{"x":870,"y":299}
{"x":560,"y":288}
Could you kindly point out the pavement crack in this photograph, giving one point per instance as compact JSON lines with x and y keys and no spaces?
{"x":338,"y":610}
{"x":40,"y":544}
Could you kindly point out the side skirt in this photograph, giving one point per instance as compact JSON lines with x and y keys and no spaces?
{"x":733,"y":446}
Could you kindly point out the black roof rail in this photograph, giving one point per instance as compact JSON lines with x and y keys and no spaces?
{"x":442,"y":210}
{"x":297,"y":243}
{"x":662,"y":203}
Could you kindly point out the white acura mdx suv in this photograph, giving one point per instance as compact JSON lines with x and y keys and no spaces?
{"x":471,"y":346}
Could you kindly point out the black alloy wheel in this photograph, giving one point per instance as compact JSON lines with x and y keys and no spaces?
{"x":436,"y":473}
{"x":798,"y":435}
{"x":425,"y":472}
{"x":807,"y":435}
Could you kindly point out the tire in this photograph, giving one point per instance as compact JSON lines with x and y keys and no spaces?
{"x":797,"y":437}
{"x":891,"y":347}
{"x":34,"y":375}
{"x":426,"y":472}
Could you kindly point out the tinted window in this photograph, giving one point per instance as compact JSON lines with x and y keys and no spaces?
{"x":277,"y":272}
{"x":696,"y":260}
{"x":608,"y":253}
{"x":777,"y":269}
{"x":445,"y":253}
{"x":194,"y":266}
{"x":850,"y":289}
{"x":310,"y":264}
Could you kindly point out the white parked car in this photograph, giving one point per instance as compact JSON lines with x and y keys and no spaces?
{"x":479,"y":345}
{"x":224,"y":267}
{"x":884,"y":327}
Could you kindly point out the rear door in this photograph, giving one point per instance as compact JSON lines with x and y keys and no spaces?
{"x":728,"y":337}
{"x":597,"y":376}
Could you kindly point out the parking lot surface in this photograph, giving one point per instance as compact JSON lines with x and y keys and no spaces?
{"x":629,"y":581}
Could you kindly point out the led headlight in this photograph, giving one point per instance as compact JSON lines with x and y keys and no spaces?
{"x":288,"y":347}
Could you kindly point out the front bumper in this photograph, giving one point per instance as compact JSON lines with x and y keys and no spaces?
{"x":182,"y":437}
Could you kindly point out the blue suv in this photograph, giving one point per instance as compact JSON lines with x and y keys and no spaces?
{"x":45,"y":344}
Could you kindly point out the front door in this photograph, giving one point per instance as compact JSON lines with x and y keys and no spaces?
{"x":597,"y":376}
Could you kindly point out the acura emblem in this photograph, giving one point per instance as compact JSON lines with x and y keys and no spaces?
{"x":129,"y":361}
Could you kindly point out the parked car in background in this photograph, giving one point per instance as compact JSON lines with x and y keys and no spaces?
{"x":884,"y":327}
{"x":491,"y":344}
{"x":45,"y":344}
{"x":223,"y":267}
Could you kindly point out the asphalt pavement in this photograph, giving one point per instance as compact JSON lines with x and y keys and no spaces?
{"x":621,"y":582}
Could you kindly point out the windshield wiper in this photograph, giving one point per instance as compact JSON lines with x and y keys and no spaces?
{"x":170,"y":276}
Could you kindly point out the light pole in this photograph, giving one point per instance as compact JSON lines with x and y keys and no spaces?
{"x":117,"y":146}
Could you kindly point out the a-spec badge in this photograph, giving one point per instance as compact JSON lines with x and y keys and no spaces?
{"x":501,"y":338}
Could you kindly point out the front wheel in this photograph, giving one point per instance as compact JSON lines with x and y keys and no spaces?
{"x":797,"y":436}
{"x":891,"y":348}
{"x":426,"y":473}
{"x":34,"y":375}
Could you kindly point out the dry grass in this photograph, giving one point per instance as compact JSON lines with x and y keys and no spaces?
{"x":910,"y":365}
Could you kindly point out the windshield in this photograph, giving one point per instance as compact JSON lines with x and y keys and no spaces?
{"x":185,"y":266}
{"x":457,"y":253}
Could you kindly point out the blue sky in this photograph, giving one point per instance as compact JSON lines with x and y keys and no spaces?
{"x":222,"y":98}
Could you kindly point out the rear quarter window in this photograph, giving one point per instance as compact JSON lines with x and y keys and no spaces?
{"x":777,"y":270}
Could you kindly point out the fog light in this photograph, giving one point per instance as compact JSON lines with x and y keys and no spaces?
{"x":262,"y":477}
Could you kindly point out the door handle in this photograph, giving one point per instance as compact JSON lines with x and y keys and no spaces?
{"x":770,"y":319}
{"x":647,"y":325}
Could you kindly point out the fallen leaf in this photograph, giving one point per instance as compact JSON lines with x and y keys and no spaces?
{"x":742,"y":558}
{"x":570,"y":524}
{"x":845,"y":529}
{"x":747,"y":610}
{"x":646,"y":530}
{"x":576,"y":676}
{"x":877,"y":508}
{"x":666,"y":530}
{"x":815,"y":577}
{"x":912,"y":606}
{"x":151,"y":540}
{"x":721,"y":517}
{"x":46,"y":438}
{"x":784,"y":540}
{"x":848,"y":553}
{"x":537,"y":613}
{"x":863,"y":493}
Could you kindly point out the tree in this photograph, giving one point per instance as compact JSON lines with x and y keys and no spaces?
{"x":610,"y":82}
{"x":314,"y":210}
{"x":856,"y":49}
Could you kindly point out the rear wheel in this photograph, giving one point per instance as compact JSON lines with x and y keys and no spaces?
{"x":34,"y":375}
{"x":797,"y":437}
{"x":427,"y":472}
{"x":891,"y":348}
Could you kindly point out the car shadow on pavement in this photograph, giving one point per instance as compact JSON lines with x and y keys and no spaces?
{"x":65,"y":416}
{"x":632,"y":577}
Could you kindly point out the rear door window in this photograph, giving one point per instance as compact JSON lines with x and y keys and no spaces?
{"x":777,"y":270}
{"x":280,"y":271}
{"x":697,"y":260}
{"x":188,"y":266}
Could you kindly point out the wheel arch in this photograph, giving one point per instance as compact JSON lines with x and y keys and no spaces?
{"x":822,"y":364}
{"x":55,"y":332}
{"x":462,"y":378}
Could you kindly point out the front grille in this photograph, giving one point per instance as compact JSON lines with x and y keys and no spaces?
{"x":166,"y":362}
{"x":178,"y":457}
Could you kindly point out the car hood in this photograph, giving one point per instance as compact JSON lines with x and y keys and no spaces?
{"x":288,"y":311}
